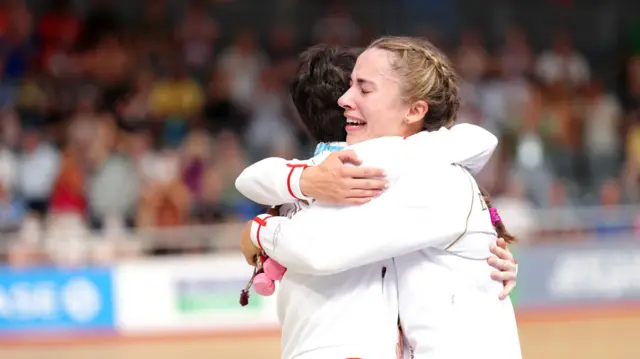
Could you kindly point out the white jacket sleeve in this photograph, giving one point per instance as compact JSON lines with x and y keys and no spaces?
{"x":420,"y":211}
{"x":478,"y":146}
{"x":273,"y":181}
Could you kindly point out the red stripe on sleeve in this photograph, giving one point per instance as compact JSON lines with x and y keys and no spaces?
{"x":293,"y":168}
{"x":262,"y":222}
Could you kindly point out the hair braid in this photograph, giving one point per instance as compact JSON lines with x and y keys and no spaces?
{"x":449,"y":82}
{"x":501,"y":230}
{"x":427,"y":75}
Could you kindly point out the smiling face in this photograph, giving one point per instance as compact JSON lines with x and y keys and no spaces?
{"x":374,"y":105}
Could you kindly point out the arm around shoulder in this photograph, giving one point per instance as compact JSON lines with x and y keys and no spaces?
{"x":272,"y":181}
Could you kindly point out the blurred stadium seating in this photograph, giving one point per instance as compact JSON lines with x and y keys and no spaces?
{"x":123,"y":125}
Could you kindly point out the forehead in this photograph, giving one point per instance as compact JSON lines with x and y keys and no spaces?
{"x":374,"y":65}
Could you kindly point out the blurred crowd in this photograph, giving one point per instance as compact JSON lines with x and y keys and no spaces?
{"x":147,"y":123}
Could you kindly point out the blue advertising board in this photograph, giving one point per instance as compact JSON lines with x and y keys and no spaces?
{"x":45,"y":299}
{"x":579,"y":274}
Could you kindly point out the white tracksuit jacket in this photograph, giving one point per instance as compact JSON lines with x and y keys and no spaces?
{"x":344,"y":291}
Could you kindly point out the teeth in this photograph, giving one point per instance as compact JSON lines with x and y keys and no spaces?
{"x":354,"y":122}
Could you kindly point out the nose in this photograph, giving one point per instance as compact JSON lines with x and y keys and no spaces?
{"x":345,"y":101}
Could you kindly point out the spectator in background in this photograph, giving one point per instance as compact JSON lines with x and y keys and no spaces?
{"x":38,"y":167}
{"x":82,"y":127}
{"x":471,"y":57}
{"x":135,"y":108}
{"x":197,"y":33}
{"x":68,"y":195}
{"x":153,"y":35}
{"x":164,"y":205}
{"x":530,"y":157}
{"x":516,"y":60}
{"x":602,"y":114}
{"x":229,"y":160}
{"x":563,"y":64}
{"x":113,"y":187}
{"x":10,"y":129}
{"x":174,"y":100}
{"x":269,"y":128}
{"x":58,"y":30}
{"x":560,"y":130}
{"x":176,"y":96}
{"x":12,"y":210}
{"x":195,"y":158}
{"x":210,"y":209}
{"x":6,"y":90}
{"x":282,"y":52}
{"x":110,"y":64}
{"x":8,"y":165}
{"x":220,"y":112}
{"x":336,"y":27}
{"x":139,"y":147}
{"x":516,"y":56}
{"x":244,"y":63}
{"x":492,"y":98}
{"x":101,"y":21}
{"x":165,"y":199}
{"x":17,"y":43}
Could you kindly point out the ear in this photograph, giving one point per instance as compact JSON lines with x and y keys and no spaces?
{"x":416,"y":112}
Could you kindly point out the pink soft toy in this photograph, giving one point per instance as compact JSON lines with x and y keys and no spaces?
{"x":273,"y":270}
{"x":265,"y":274}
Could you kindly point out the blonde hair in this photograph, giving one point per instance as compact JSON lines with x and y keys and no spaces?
{"x":426,"y":75}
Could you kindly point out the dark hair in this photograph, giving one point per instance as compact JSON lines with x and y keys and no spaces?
{"x":501,"y":230}
{"x":323,"y":76}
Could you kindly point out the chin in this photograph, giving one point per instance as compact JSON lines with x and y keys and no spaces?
{"x":352,"y":139}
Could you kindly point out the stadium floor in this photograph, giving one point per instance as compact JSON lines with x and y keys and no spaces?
{"x":558,"y":337}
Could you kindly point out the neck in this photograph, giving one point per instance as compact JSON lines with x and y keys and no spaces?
{"x":329,"y":146}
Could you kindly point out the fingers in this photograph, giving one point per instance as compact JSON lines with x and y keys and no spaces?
{"x":508,"y":288}
{"x":364,"y":172}
{"x":364,"y":193}
{"x":356,"y":201}
{"x":366,"y":184}
{"x":502,"y":253}
{"x":503,"y":276}
{"x":502,"y":264}
{"x":348,"y":156}
{"x":502,"y":243}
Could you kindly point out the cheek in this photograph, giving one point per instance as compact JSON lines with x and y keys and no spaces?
{"x":385,"y":114}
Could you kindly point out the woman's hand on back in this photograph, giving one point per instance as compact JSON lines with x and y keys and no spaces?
{"x":336,"y":183}
{"x":506,"y":265}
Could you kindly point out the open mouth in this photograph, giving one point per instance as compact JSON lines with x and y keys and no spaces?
{"x":353,"y":124}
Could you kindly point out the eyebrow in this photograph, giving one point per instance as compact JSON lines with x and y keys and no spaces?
{"x":362,"y":81}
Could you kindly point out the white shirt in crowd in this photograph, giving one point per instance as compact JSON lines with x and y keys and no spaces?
{"x":37,"y":171}
{"x":553,"y":67}
{"x":339,"y":297}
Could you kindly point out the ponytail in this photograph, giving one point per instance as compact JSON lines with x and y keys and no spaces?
{"x":497,"y":224}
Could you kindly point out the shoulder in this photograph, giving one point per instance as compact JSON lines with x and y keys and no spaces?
{"x":384,"y":152}
{"x":377,"y":146}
